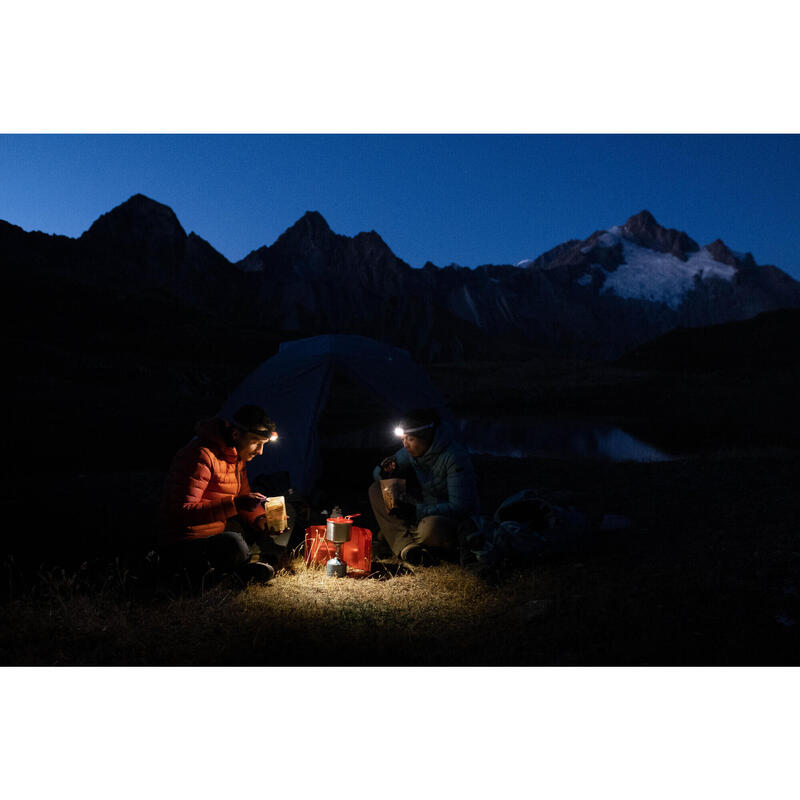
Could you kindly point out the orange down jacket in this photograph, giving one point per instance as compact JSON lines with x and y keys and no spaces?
{"x":203,"y":480}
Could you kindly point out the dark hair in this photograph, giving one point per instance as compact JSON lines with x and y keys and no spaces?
{"x":253,"y":419}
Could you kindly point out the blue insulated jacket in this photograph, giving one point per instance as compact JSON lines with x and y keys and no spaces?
{"x":445,"y":474}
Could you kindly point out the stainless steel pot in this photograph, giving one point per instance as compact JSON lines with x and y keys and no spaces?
{"x":338,"y":530}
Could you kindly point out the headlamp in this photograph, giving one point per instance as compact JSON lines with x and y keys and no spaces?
{"x":265,"y":432}
{"x":399,"y":431}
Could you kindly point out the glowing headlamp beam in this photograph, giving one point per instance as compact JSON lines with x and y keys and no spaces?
{"x":398,"y":431}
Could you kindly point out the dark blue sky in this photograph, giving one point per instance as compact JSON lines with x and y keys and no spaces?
{"x":469,"y":199}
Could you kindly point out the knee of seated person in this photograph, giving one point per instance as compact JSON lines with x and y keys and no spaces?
{"x":437,"y":531}
{"x":231,"y":548}
{"x":375,"y":495}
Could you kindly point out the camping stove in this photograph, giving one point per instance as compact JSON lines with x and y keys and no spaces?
{"x":338,"y":531}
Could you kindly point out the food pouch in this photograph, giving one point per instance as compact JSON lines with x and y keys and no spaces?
{"x":277,"y":520}
{"x":393,"y":490}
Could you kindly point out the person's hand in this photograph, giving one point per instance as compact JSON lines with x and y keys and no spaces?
{"x":388,"y":466}
{"x":249,"y":502}
{"x":405,"y":511}
{"x":263,"y":527}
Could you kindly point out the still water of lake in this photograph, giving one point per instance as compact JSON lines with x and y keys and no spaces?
{"x":549,"y":437}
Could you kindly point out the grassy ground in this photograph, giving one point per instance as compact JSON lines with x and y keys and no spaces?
{"x":710,"y":574}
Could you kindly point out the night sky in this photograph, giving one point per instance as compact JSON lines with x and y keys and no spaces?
{"x":465,"y":199}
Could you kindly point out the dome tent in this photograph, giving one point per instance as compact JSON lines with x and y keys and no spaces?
{"x":294,"y":387}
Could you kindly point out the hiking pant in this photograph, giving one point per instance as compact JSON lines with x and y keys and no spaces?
{"x":223,"y":552}
{"x":435,"y":532}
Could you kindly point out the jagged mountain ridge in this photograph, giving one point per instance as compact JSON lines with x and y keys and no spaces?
{"x":617,"y":288}
{"x":595,"y":297}
{"x":140,"y":246}
{"x":581,"y":297}
{"x":318,"y":281}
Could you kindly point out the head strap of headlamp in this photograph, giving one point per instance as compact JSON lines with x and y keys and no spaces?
{"x":264,"y":431}
{"x":417,"y":429}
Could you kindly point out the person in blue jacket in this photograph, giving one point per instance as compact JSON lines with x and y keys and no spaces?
{"x":440,"y":490}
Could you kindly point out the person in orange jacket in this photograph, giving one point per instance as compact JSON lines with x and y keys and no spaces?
{"x":208,"y":512}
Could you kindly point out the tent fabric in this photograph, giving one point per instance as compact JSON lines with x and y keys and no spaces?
{"x":294,"y":385}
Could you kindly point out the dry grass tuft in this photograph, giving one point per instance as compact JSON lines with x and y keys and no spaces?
{"x":301,"y":617}
{"x":365,"y":620}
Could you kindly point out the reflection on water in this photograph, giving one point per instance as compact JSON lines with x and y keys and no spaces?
{"x":555,"y":438}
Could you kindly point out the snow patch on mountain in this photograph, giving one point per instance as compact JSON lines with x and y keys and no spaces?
{"x":661,"y":277}
{"x":471,"y":305}
{"x":611,"y":237}
{"x":502,"y":304}
{"x":526,"y":262}
{"x":608,"y":238}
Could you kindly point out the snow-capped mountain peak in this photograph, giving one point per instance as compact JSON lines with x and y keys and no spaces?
{"x":642,"y":260}
{"x":662,"y":277}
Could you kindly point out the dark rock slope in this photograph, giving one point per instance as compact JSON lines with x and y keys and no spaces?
{"x":595,"y":297}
